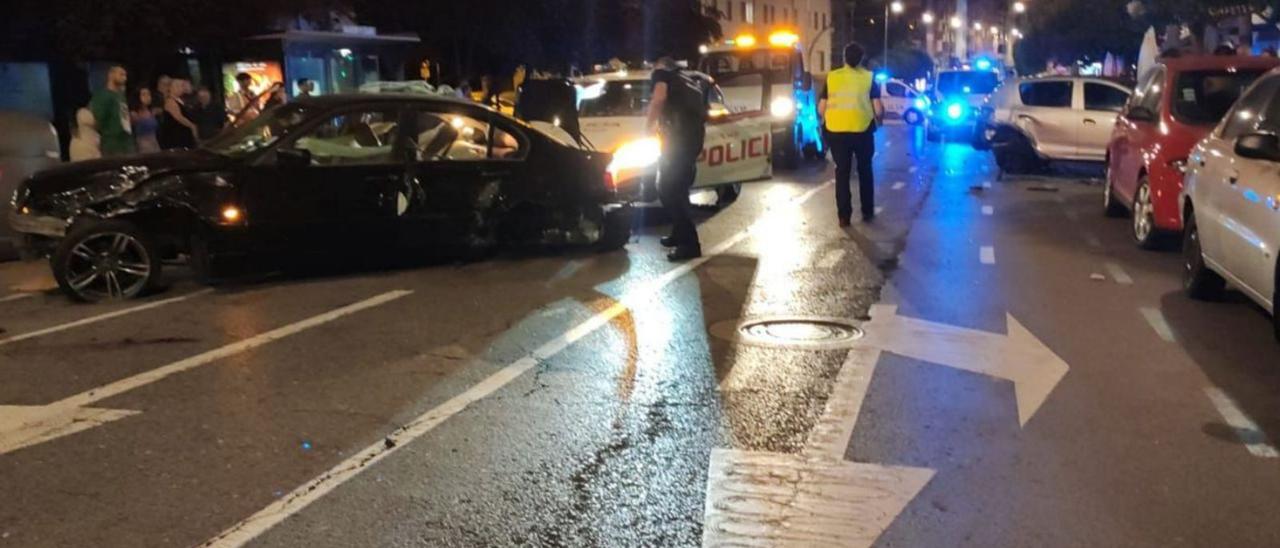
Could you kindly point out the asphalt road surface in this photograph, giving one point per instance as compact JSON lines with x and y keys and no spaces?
{"x":990,"y":363}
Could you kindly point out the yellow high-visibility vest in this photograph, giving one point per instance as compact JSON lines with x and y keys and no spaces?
{"x":849,"y":100}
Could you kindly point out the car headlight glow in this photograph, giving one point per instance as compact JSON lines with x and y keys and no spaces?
{"x":636,"y":154}
{"x":955,"y":111}
{"x":782,"y":107}
{"x":920,"y":103}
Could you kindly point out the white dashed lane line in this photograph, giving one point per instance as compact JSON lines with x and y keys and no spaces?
{"x":1253,"y":438}
{"x":15,"y":297}
{"x":899,"y":185}
{"x":1155,"y":318}
{"x":988,"y":210}
{"x":1071,"y":215}
{"x":1092,"y":240}
{"x":987,"y":254}
{"x":1118,"y":274}
{"x":101,"y":317}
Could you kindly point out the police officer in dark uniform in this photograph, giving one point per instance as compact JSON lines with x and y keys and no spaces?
{"x":678,"y":114}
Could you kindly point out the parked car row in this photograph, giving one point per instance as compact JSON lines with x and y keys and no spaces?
{"x":1192,"y":155}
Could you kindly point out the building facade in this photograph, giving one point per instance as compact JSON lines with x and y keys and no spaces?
{"x":811,"y":19}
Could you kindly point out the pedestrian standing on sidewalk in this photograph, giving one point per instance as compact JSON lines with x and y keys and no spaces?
{"x":850,"y":107}
{"x":85,"y":141}
{"x":678,"y":115}
{"x":209,"y":116}
{"x":176,"y":129}
{"x":145,"y":123}
{"x":111,"y":112}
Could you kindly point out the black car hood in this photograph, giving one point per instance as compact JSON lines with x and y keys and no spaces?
{"x":144,"y":166}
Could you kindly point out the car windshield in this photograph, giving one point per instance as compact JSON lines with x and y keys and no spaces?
{"x":618,"y":98}
{"x":1203,"y":97}
{"x":728,"y":66}
{"x":971,"y":81}
{"x":259,"y":133}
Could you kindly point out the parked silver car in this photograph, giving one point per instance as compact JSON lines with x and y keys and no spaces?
{"x":1029,"y":121}
{"x":27,"y":145}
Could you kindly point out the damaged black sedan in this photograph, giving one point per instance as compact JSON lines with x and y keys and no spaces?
{"x":335,"y":177}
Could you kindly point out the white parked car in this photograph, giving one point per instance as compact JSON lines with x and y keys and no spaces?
{"x":903,"y":101}
{"x":1029,"y":121}
{"x":1231,"y":202}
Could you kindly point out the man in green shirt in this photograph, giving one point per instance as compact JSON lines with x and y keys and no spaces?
{"x":111,"y":112}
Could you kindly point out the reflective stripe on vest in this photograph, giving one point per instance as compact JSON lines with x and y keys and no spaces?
{"x":849,"y":100}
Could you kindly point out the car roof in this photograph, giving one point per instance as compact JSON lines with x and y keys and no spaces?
{"x":1210,"y":62}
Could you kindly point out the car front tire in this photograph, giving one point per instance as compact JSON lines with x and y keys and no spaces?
{"x":913,"y":117}
{"x":727,"y":194}
{"x":1198,"y":280}
{"x":107,"y":261}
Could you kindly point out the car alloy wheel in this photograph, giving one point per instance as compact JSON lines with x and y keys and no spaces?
{"x":1198,"y":280}
{"x":110,"y":262}
{"x":1144,"y":222}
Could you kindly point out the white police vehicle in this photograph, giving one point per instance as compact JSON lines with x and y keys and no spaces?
{"x":770,"y":76}
{"x":612,"y":109}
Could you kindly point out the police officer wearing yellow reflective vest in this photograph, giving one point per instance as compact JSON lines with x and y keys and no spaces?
{"x":850,"y":107}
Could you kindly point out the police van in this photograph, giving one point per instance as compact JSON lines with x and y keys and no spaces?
{"x":612,"y":110}
{"x":770,"y":75}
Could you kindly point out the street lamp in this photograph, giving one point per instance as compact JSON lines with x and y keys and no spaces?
{"x":927,"y":18}
{"x":1019,"y":7}
{"x":977,"y":25}
{"x":956,"y":22}
{"x":896,"y":7}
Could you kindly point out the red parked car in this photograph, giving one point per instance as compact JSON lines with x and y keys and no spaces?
{"x":1176,"y":104}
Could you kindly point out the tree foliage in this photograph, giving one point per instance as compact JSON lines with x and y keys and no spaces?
{"x":1071,"y":30}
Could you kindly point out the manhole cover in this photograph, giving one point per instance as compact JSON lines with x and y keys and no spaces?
{"x":808,"y":332}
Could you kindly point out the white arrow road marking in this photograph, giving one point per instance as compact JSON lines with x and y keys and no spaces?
{"x":815,"y":498}
{"x":101,"y":317}
{"x":1019,"y":357}
{"x":23,"y":426}
{"x":311,"y":491}
{"x":987,"y":254}
{"x":988,"y":210}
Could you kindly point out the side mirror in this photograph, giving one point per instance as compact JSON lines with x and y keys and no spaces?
{"x":293,"y":157}
{"x":806,"y":82}
{"x":1140,"y":114}
{"x":1259,"y":146}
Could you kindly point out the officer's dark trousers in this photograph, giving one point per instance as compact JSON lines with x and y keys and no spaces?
{"x":845,"y":148}
{"x":676,"y":172}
